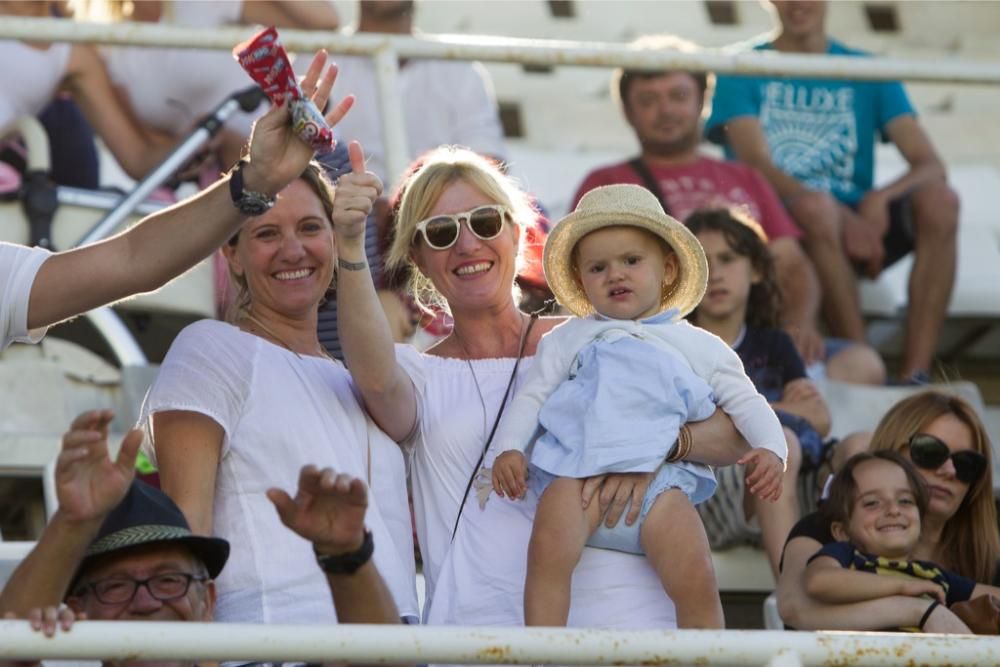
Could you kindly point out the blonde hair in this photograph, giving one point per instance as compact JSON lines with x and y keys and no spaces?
{"x":315,"y":177}
{"x":970,"y":543}
{"x":423,"y":188}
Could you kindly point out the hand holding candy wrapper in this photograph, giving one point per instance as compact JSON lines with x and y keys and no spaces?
{"x":265,"y":60}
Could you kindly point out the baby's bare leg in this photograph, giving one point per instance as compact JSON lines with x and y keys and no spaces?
{"x":560,"y":530}
{"x":676,"y":545}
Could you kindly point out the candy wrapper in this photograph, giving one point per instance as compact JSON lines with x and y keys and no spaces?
{"x":265,"y":60}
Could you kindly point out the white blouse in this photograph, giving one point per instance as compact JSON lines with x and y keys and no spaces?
{"x":479,"y":578}
{"x":279,"y":412}
{"x":29,"y":78}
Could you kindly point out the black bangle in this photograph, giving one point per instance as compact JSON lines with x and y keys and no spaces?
{"x":350,"y":562}
{"x":927,"y":614}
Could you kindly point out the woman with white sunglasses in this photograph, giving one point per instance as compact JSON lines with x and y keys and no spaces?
{"x":458,"y":229}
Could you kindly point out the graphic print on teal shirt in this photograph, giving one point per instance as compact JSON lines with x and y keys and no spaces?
{"x":822,"y":132}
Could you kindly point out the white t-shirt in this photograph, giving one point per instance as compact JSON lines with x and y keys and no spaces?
{"x":29,"y":78}
{"x":443,"y":102}
{"x":172,"y":88}
{"x":479,"y":578}
{"x":18,"y":267}
{"x":279,"y":412}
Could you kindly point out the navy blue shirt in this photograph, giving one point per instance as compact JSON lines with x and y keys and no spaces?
{"x":770,"y":360}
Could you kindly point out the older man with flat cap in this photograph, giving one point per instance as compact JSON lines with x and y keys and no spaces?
{"x":119,"y":549}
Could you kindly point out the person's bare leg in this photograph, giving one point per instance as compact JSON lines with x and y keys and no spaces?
{"x":560,"y":530}
{"x":859,"y":364}
{"x":676,"y":545}
{"x":935,"y":222}
{"x":818,"y":215}
{"x":777,"y":518}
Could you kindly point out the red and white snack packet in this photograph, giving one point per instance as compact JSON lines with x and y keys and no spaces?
{"x":265,"y":60}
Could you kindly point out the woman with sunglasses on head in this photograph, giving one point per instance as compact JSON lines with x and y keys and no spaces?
{"x":947,"y":443}
{"x":459,"y":227}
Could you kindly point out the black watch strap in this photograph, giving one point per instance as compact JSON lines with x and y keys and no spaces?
{"x":350,"y":562}
{"x":248,"y":202}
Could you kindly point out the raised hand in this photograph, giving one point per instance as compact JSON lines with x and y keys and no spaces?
{"x":510,"y":475}
{"x":89,"y":484}
{"x":356,"y":193}
{"x":277,"y":155}
{"x":764,"y":473}
{"x":328,"y":509}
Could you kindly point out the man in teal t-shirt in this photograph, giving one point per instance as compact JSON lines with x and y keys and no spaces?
{"x":814,"y":140}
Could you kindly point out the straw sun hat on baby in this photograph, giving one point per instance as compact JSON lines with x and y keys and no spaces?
{"x":623,"y":205}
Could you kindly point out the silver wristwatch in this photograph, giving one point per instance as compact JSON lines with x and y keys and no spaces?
{"x":247,"y":202}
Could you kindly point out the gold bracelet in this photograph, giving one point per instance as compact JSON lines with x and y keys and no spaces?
{"x":687,"y":441}
{"x":683,"y":446}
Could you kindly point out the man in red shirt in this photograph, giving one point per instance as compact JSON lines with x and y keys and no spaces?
{"x":664,"y":109}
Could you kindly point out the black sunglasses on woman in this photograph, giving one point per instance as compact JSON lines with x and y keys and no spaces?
{"x":930,"y":452}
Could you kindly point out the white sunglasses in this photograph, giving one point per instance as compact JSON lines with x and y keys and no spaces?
{"x":441,"y":231}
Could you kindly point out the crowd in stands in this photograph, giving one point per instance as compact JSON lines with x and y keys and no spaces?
{"x":559,"y":467}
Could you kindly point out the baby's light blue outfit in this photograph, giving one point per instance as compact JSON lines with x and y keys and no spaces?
{"x":621,"y":409}
{"x":611,"y":396}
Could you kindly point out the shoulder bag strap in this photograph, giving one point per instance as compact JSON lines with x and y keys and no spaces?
{"x":496,"y":423}
{"x":649,"y":182}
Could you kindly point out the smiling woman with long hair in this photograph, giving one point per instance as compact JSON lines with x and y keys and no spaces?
{"x":943,"y":437}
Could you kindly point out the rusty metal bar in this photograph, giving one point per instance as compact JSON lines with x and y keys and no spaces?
{"x":464,"y":645}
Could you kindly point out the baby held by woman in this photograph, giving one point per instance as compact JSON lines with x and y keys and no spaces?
{"x":611,"y":391}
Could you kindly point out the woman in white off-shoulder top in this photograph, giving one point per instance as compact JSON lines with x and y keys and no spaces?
{"x":459,"y":226}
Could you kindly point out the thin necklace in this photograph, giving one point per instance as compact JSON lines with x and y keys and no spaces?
{"x":472,"y":369}
{"x":281,"y":340}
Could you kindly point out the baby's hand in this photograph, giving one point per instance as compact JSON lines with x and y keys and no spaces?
{"x":764,"y":471}
{"x":509,"y":474}
{"x":920,"y":588}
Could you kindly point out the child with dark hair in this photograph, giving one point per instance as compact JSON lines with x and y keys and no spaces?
{"x":874,"y":509}
{"x":742,"y":306}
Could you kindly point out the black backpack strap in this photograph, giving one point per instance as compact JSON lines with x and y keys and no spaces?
{"x":649,"y":182}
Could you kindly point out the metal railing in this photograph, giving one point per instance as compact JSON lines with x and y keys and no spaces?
{"x":462,"y":645}
{"x":387,"y":49}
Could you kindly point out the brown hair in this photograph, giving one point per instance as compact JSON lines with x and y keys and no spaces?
{"x":314,"y":176}
{"x":970,"y":543}
{"x":622,"y":79}
{"x":746,"y":238}
{"x":839,"y":504}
